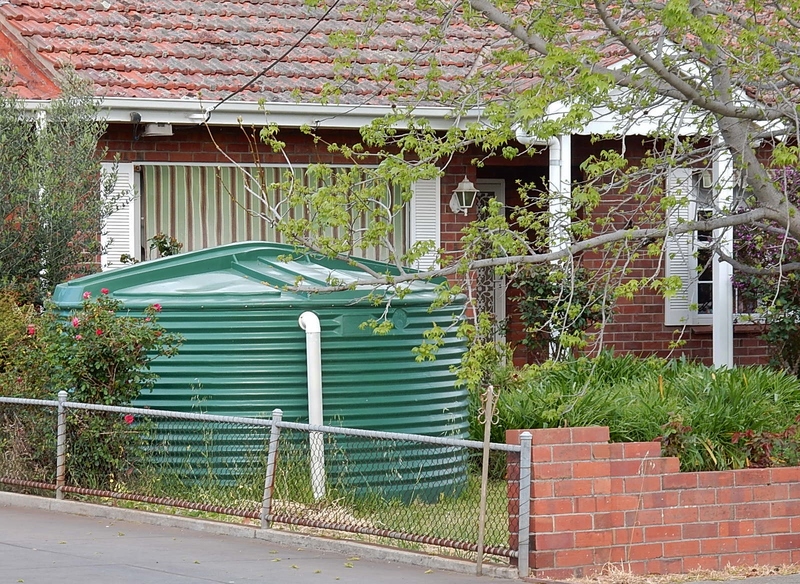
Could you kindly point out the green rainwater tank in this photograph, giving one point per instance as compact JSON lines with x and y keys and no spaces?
{"x":244,"y":354}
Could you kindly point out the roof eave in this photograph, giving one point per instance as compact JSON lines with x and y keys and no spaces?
{"x":291,"y":115}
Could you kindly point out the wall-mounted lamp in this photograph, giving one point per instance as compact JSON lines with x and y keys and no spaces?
{"x":707,"y":179}
{"x":463,"y":197}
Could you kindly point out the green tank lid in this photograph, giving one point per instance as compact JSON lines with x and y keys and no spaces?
{"x":239,"y":272}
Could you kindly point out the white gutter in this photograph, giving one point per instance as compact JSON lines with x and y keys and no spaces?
{"x":287,"y":115}
{"x":309,"y":322}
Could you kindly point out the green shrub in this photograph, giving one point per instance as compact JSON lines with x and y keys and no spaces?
{"x":712,"y":419}
{"x":556,"y":306}
{"x":99,"y":356}
{"x":20,"y":358}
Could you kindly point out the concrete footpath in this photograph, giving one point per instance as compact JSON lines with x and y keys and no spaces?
{"x":44,"y":541}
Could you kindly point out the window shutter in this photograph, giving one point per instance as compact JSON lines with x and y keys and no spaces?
{"x":121,"y":229}
{"x":680,"y":260}
{"x":424,"y":219}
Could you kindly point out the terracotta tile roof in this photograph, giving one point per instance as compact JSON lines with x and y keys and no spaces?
{"x":182,"y":48}
{"x":30,"y":79}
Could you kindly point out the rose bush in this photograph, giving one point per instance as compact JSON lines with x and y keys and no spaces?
{"x":100,"y":355}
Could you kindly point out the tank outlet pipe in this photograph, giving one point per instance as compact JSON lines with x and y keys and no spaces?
{"x":309,"y":322}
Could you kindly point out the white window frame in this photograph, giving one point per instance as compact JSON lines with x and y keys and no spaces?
{"x":682,"y":250}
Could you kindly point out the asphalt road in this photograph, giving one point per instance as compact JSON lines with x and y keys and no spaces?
{"x":47,"y":546}
{"x":43,"y":541}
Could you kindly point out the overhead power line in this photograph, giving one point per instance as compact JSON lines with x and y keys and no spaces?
{"x":275,"y":62}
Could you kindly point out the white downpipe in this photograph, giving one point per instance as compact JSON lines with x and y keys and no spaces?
{"x":309,"y":322}
{"x":722,"y":293}
{"x":559,"y":180}
{"x":559,"y":149}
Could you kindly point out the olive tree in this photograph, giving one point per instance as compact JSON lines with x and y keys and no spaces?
{"x":53,"y":196}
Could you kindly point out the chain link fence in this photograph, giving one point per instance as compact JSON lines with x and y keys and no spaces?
{"x":420,"y":492}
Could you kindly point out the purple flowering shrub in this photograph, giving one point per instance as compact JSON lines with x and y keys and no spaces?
{"x":774,"y":297}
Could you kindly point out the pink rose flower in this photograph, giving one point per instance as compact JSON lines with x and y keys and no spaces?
{"x":99,"y":332}
{"x":87,"y":295}
{"x":76,"y":322}
{"x":31,"y":330}
{"x":128,"y":419}
{"x":104,"y":291}
{"x":78,"y":337}
{"x":157,"y":307}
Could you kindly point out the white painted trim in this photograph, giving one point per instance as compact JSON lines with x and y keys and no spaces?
{"x":679,"y":250}
{"x":122,"y":228}
{"x":722,"y":330}
{"x":424,"y":219}
{"x":234,"y":113}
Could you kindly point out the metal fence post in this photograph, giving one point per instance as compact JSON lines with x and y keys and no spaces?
{"x":61,"y":445}
{"x":488,"y":414}
{"x":525,"y":476}
{"x":272,"y":457}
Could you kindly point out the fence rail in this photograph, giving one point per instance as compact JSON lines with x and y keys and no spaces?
{"x":419,"y":490}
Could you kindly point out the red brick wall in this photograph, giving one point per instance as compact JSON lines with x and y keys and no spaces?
{"x":595,"y":504}
{"x":193,"y":145}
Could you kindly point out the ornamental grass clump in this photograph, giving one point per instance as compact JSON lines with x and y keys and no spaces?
{"x":712,"y":419}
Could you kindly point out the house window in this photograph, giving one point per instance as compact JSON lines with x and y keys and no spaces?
{"x":205,"y":206}
{"x":690,"y":255}
{"x":209,"y":205}
{"x":704,"y":209}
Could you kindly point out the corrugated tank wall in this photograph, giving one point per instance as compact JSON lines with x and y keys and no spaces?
{"x":244,"y":354}
{"x":246,"y":361}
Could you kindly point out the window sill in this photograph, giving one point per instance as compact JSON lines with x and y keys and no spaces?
{"x":749,"y":328}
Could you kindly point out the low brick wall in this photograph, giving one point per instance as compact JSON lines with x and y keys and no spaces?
{"x":595,"y":504}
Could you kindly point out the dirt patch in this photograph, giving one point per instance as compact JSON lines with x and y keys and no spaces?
{"x":617,"y":575}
